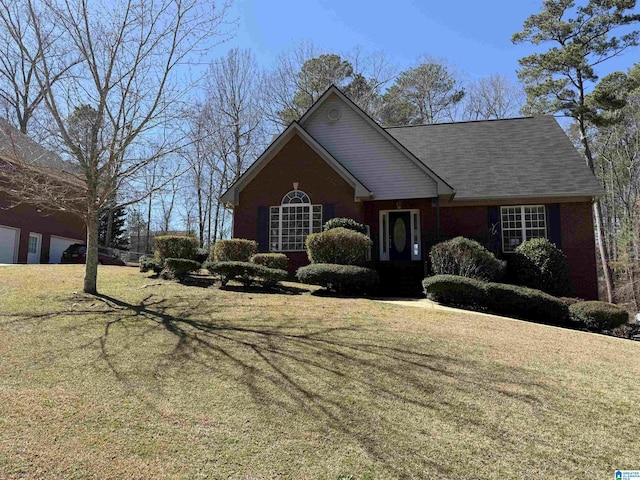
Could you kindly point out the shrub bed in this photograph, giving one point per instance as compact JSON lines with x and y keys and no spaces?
{"x":176,"y":246}
{"x":348,"y":223}
{"x":599,"y":315}
{"x":179,"y":268}
{"x":246,"y":272}
{"x":271,"y":260}
{"x":538,"y":263}
{"x":465,"y":257}
{"x":344,"y":279}
{"x":150,"y":263}
{"x":512,"y":300}
{"x":234,"y":250}
{"x":338,"y":246}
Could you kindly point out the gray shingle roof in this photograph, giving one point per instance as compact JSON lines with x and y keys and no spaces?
{"x":14,"y":143}
{"x":520,"y":157}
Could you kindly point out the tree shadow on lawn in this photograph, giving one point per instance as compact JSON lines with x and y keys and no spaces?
{"x":339,"y":377}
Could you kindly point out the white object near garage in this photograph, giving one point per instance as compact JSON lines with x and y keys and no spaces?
{"x":9,"y":238}
{"x":59,"y":245}
{"x":35,"y":246}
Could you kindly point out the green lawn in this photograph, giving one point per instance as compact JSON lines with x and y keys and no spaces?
{"x":160,"y":380}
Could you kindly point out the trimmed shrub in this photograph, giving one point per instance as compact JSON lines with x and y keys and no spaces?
{"x":599,"y":315}
{"x":150,"y":263}
{"x":346,"y":279}
{"x":455,"y":290}
{"x":271,"y":260}
{"x":179,"y":268}
{"x":234,"y":250}
{"x":538,"y":263}
{"x":246,"y":272}
{"x":510,"y":300}
{"x":201,"y":255}
{"x":347,"y":223}
{"x":527,"y":303}
{"x":338,"y":246}
{"x":465,"y":257}
{"x":176,"y":246}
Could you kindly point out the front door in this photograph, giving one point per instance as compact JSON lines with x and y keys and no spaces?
{"x":399,"y":236}
{"x":35,"y":244}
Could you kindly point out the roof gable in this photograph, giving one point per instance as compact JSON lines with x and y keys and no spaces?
{"x":389,"y":169}
{"x":232,"y":195}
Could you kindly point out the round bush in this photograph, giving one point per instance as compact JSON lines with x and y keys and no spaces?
{"x":234,"y":250}
{"x":465,"y":257}
{"x":599,"y":315}
{"x":339,"y":246}
{"x":179,"y":268}
{"x":538,"y":263}
{"x":345,"y":279}
{"x":176,"y":246}
{"x":150,"y":263}
{"x":271,"y":260}
{"x":455,"y":290}
{"x":347,"y":223}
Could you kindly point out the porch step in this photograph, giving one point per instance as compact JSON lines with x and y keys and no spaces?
{"x":400,"y":279}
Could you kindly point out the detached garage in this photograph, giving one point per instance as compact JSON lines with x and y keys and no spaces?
{"x":9,"y":240}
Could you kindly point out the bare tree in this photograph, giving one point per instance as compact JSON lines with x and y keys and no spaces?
{"x":493,"y":97}
{"x":130,"y":54}
{"x":20,"y":93}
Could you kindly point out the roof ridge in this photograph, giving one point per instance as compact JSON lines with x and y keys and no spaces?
{"x":487,"y":120}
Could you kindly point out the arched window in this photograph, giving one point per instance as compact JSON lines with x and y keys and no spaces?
{"x":292,"y":221}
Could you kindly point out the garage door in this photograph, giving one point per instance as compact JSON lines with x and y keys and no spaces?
{"x":59,"y":245}
{"x":9,"y":244}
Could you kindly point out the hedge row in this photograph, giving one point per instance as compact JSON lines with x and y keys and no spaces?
{"x":498,"y":298}
{"x":246,"y":272}
{"x":523,"y":302}
{"x":344,"y":279}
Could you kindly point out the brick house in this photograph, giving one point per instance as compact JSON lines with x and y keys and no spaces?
{"x":28,"y":233}
{"x":497,"y":181}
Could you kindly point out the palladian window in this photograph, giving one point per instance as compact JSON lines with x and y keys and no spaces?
{"x":292,"y":221}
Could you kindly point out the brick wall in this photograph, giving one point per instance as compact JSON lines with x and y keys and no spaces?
{"x":28,"y":219}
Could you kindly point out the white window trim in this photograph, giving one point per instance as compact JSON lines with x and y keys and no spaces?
{"x":310,"y":208}
{"x":523,"y":228}
{"x":416,"y":234}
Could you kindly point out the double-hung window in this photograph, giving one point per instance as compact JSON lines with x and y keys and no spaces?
{"x":292,"y":221}
{"x":522,"y":223}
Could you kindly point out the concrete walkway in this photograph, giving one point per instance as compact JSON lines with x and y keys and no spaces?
{"x":431,"y":305}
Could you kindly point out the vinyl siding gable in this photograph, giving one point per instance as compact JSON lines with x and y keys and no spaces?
{"x":367,"y":154}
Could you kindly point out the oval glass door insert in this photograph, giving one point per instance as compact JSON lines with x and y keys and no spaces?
{"x":399,"y":235}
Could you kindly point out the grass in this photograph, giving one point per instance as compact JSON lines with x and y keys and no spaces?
{"x":153,"y":379}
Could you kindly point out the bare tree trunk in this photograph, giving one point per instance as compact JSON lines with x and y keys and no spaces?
{"x":597,"y":215}
{"x":91,"y":267}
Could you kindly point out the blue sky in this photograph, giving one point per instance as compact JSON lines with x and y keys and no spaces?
{"x":473,"y":35}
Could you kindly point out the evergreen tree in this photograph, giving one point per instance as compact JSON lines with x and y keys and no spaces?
{"x":580,"y":38}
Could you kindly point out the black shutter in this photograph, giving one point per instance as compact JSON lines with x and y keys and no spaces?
{"x":553,"y":227}
{"x":328,"y":212}
{"x":495,"y":236}
{"x":263,"y":229}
